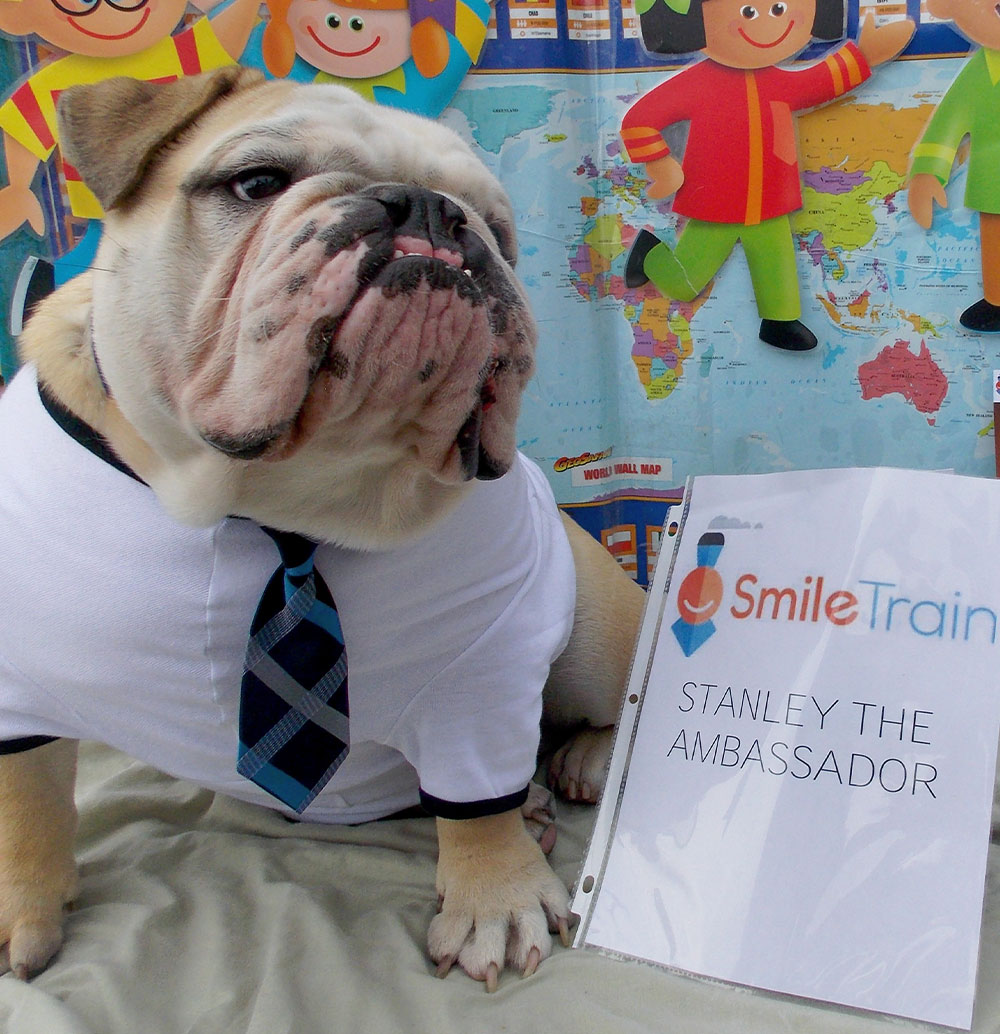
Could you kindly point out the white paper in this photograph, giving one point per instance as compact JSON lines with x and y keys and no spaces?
{"x":804,"y":806}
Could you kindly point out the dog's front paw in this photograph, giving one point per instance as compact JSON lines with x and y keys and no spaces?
{"x":579,"y":767}
{"x":31,"y":919}
{"x":500,"y":900}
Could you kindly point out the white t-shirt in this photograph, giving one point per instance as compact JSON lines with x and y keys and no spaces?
{"x":118,"y":624}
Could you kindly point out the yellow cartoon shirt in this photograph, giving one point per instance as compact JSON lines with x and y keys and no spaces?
{"x":29,"y":115}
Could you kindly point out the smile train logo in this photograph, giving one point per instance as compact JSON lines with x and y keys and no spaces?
{"x":699,"y":596}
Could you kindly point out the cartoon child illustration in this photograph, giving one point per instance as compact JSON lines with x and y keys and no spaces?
{"x":410,"y":55}
{"x":739,"y":178}
{"x":970,"y":106}
{"x":100,"y":39}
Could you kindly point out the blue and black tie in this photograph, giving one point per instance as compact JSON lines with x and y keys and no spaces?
{"x":293,"y":706}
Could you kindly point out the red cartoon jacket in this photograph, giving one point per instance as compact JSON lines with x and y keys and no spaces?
{"x":741,"y":162}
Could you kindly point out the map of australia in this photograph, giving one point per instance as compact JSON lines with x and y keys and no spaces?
{"x":917,"y":378}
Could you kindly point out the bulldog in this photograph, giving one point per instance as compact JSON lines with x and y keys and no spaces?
{"x":303,"y":317}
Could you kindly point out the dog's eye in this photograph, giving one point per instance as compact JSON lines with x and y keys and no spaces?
{"x":255,"y":184}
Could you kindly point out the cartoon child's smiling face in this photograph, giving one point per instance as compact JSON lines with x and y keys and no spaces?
{"x":977,"y":20}
{"x":102,"y":28}
{"x":699,"y":595}
{"x":349,"y":42}
{"x":758,"y":33}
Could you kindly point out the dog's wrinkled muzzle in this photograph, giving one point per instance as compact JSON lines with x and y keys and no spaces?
{"x":380,"y":302}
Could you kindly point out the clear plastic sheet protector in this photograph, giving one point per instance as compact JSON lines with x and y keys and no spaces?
{"x":800,"y":790}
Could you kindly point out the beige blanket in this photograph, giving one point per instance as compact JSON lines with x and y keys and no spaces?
{"x":201,"y":915}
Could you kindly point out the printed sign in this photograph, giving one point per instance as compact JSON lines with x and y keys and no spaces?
{"x":800,"y":791}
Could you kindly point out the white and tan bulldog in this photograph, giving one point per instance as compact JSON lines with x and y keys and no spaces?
{"x":303,"y":312}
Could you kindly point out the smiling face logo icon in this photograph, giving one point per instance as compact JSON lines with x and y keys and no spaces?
{"x":699,"y":596}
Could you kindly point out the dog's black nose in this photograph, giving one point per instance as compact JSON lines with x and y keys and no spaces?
{"x":417,"y":212}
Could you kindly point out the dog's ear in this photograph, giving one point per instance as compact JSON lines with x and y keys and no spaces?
{"x":110,"y":131}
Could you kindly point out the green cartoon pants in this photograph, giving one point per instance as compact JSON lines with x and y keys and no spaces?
{"x":702,"y":247}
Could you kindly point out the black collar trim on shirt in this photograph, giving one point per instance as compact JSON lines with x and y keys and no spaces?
{"x":80,"y":431}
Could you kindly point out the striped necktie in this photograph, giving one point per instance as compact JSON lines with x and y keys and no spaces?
{"x":293,"y":706}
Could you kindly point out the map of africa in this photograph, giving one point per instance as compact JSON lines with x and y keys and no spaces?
{"x":895,"y":380}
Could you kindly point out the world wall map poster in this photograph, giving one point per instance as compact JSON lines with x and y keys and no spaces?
{"x":634,"y":392}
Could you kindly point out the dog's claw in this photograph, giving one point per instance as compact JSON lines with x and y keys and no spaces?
{"x":21,"y":972}
{"x":492,"y":977}
{"x":534,"y":957}
{"x":444,"y":967}
{"x":563,"y":926}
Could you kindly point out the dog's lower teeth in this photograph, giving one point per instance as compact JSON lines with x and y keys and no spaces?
{"x":399,"y":254}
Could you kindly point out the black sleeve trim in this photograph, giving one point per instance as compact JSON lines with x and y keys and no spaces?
{"x":472,"y":809}
{"x":23,"y":743}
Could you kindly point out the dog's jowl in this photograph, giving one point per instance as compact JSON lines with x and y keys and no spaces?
{"x":264,"y":455}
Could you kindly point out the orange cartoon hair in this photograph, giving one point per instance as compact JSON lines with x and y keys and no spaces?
{"x":429,"y":44}
{"x":278,"y":43}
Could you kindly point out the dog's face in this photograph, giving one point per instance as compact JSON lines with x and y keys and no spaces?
{"x":301,"y":297}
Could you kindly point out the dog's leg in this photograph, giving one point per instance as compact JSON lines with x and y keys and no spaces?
{"x":587,"y":682}
{"x":499,"y":898}
{"x":37,"y":869}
